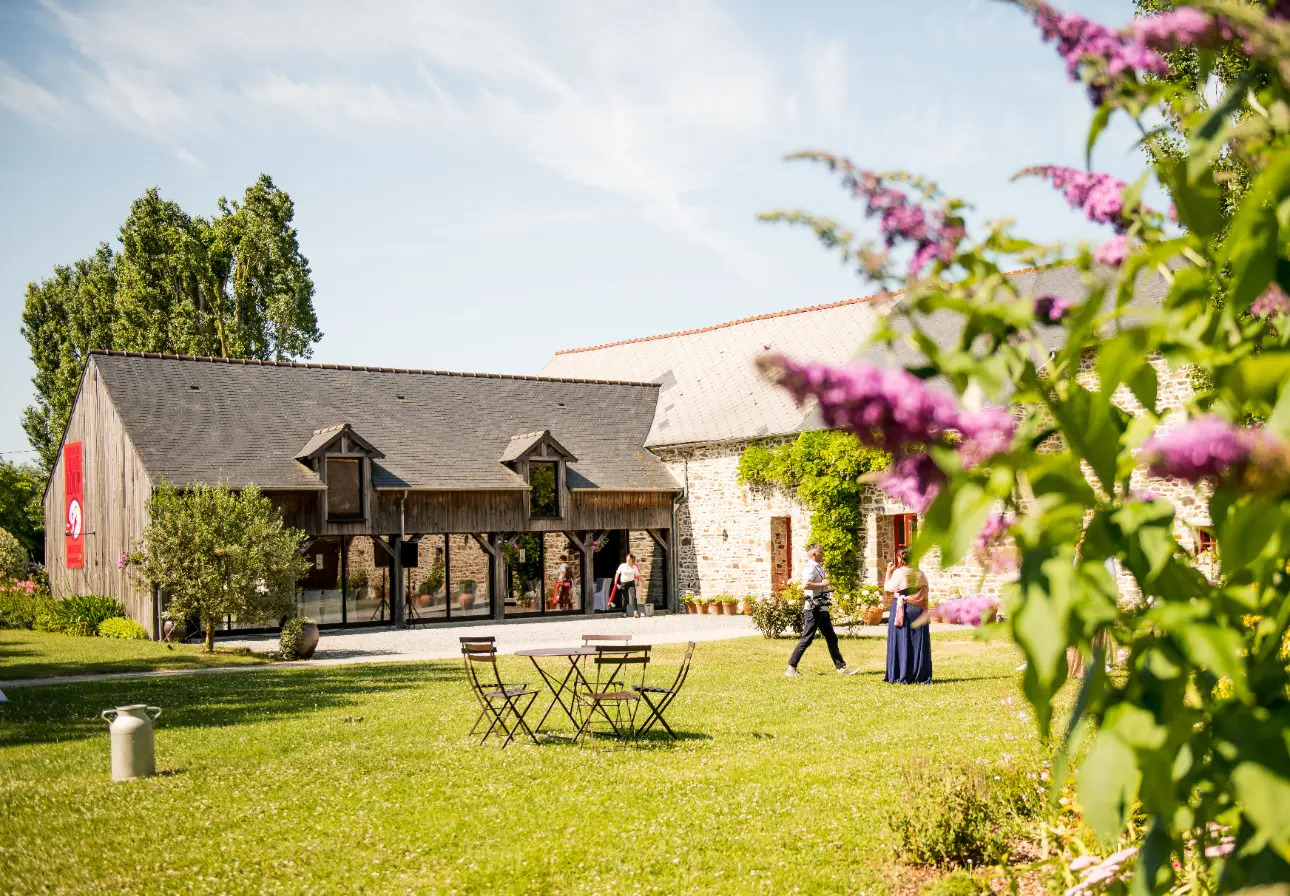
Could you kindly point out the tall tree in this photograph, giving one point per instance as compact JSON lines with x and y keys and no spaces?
{"x":21,"y":511}
{"x":235,"y":286}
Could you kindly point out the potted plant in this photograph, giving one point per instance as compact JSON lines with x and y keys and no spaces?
{"x":466,"y":594}
{"x":299,"y":638}
{"x":746,"y":604}
{"x":691,"y":602}
{"x":729,"y":604}
{"x":705,"y":604}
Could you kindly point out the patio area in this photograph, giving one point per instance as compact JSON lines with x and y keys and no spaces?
{"x":376,"y":645}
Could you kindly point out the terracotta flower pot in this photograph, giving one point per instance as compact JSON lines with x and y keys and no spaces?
{"x":705,"y":608}
{"x":731,"y":607}
{"x":308,"y":640}
{"x":873,"y":615}
{"x":691,"y":608}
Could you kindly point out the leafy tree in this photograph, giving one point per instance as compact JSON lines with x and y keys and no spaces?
{"x":824,"y":469}
{"x":233,"y":286}
{"x":216,"y":553}
{"x":13,"y":557}
{"x":1190,"y":737}
{"x":21,"y":512}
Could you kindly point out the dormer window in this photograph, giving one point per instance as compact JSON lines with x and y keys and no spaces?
{"x":544,"y":493}
{"x":345,"y":488}
{"x":343,"y":461}
{"x":543,"y":463}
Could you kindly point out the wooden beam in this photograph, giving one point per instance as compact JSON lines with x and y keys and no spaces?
{"x":376,"y":539}
{"x":492,"y":549}
{"x":659,"y":540}
{"x":583,"y":546}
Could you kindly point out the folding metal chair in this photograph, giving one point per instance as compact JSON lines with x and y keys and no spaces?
{"x":610,"y":663}
{"x":500,"y":702}
{"x":663,"y":697}
{"x":480,"y":639}
{"x":595,"y":640}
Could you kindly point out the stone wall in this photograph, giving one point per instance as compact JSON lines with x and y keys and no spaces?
{"x":724,"y":530}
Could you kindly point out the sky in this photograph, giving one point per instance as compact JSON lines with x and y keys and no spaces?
{"x":480,"y":184}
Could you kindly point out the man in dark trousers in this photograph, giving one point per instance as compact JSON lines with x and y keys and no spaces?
{"x":815,"y":614}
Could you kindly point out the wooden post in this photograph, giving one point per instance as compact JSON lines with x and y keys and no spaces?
{"x":396,"y":580}
{"x":344,"y":578}
{"x":664,"y":544}
{"x":496,"y":573}
{"x":587,"y":580}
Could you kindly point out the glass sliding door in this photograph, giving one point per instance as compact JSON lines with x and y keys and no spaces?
{"x":427,"y":582}
{"x":469,"y":572}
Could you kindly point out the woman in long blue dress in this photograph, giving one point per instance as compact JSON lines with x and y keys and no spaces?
{"x":909,"y":646}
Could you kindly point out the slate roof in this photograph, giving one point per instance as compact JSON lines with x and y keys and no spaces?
{"x":210,"y":420}
{"x":711,"y":392}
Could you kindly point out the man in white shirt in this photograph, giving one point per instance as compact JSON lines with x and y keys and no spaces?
{"x":815,"y":613}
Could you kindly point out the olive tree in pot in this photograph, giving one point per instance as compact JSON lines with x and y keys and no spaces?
{"x":218,"y":553}
{"x":299,"y":638}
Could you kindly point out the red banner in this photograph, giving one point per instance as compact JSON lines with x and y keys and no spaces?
{"x":74,"y":515}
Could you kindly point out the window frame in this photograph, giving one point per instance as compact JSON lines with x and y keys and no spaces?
{"x":556,"y":466}
{"x":358,"y":460}
{"x":1206,"y":543}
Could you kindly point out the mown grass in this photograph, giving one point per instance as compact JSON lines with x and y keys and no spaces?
{"x":270,"y":784}
{"x":25,"y":654}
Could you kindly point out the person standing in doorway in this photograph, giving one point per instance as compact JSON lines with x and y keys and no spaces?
{"x":625,"y":579}
{"x":815,"y":613}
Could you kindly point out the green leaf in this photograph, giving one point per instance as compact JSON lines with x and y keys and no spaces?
{"x":1108,"y":785}
{"x":1245,"y":531}
{"x":1101,"y":118}
{"x":1253,"y":241}
{"x":1264,"y":797}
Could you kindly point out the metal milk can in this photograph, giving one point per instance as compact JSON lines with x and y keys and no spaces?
{"x":133,"y":755}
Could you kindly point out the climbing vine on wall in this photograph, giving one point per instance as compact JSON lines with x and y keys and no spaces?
{"x":823,"y":470}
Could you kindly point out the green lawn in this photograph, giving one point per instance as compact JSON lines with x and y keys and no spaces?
{"x":270,"y":784}
{"x":26,"y":654}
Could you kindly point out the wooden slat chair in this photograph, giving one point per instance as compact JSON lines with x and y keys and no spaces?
{"x":659,"y":699}
{"x":613,"y":663}
{"x":505,"y":705}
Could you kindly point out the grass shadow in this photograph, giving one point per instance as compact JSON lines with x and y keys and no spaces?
{"x":71,"y":712}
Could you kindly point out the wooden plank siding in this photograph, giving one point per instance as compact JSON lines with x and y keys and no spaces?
{"x":425,"y":513}
{"x":116,"y":492}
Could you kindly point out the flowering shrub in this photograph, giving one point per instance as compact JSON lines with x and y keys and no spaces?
{"x":850,"y":607}
{"x":1164,"y":742}
{"x":22,"y":603}
{"x":972,"y":610}
{"x":783,"y":611}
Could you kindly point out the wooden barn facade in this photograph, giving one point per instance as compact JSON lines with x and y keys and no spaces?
{"x":428,"y":496}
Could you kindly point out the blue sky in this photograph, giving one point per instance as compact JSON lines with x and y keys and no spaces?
{"x":480,"y":184}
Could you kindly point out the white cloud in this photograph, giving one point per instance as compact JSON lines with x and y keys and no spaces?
{"x":27,"y":99}
{"x":642,"y":103}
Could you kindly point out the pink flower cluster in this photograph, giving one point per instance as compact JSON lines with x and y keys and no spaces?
{"x":1272,"y":302}
{"x":1204,"y":448}
{"x":1113,"y":252}
{"x":1099,"y":196}
{"x":972,"y":610}
{"x":26,"y":585}
{"x":1185,"y":26}
{"x":996,"y":526}
{"x":1100,"y":873}
{"x":1052,"y":309}
{"x":891,"y":409}
{"x":1080,"y":41}
{"x":124,"y":561}
{"x":913,"y":480}
{"x":932,"y":236}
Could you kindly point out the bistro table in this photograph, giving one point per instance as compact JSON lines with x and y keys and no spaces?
{"x":573,"y":679}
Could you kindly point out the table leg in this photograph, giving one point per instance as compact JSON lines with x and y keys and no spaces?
{"x":557,"y":690}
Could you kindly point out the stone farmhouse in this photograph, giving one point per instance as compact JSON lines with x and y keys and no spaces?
{"x":713,"y":405}
{"x":433,"y":496}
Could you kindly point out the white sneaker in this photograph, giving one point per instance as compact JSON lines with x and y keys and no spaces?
{"x":792,"y":673}
{"x":845,"y":671}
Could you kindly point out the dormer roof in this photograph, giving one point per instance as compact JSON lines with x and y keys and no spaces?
{"x":324,"y":438}
{"x":540,"y":442}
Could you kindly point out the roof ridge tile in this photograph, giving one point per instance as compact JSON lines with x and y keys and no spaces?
{"x":885,"y":294}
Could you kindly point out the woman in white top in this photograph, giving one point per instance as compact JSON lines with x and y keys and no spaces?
{"x":909,"y":646}
{"x":626,"y":577}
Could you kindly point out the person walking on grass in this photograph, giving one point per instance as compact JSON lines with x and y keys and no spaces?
{"x":815,"y":613}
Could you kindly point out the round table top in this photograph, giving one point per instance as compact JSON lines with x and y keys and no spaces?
{"x":557,"y":651}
